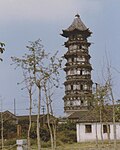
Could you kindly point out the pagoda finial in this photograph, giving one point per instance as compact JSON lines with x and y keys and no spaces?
{"x":77,"y":15}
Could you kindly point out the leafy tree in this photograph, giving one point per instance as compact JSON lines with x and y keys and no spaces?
{"x":2,"y":49}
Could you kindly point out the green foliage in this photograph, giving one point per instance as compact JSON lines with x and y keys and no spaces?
{"x":66,"y":132}
{"x":67,"y":136}
{"x":44,"y":132}
{"x":117,"y":112}
{"x":67,"y":126}
{"x":2,"y":49}
{"x":9,"y":129}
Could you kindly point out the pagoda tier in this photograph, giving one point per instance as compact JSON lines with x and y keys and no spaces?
{"x":78,"y":84}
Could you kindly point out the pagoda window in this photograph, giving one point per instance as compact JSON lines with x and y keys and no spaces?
{"x":72,"y":59}
{"x":78,"y":87}
{"x":68,"y":103}
{"x":74,"y":87}
{"x":70,"y":47}
{"x":82,"y":102}
{"x":85,"y":103}
{"x":88,"y":72}
{"x":81,"y":87}
{"x":81,"y":72}
{"x":78,"y":71}
{"x":83,"y":58}
{"x":79,"y":59}
{"x":71,"y":103}
{"x":76,"y":103}
{"x":69,"y":60}
{"x":85,"y":87}
{"x":68,"y":72}
{"x":84,"y":47}
{"x":75,"y":59}
{"x":82,"y":50}
{"x":71,"y":87}
{"x":74,"y":46}
{"x":73,"y":37}
{"x":72,"y":72}
{"x":79,"y":46}
{"x":75,"y":71}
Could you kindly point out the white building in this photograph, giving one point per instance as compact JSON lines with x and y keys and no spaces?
{"x":89,"y":127}
{"x":87,"y":131}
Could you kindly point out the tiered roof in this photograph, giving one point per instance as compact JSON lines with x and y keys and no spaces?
{"x":77,"y":25}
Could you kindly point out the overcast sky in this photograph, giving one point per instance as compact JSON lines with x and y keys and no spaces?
{"x":27,"y":20}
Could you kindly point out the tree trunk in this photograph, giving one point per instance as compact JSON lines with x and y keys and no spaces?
{"x":114,"y":125}
{"x":2,"y":137}
{"x":48,"y":117}
{"x":38,"y":119}
{"x":101,"y":128}
{"x":30,"y":112}
{"x":96,"y":135}
{"x":54,"y":134}
{"x":108,"y":132}
{"x":50,"y":130}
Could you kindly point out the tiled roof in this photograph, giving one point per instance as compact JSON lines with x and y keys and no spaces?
{"x":93,"y":115}
{"x":34,"y":118}
{"x":77,"y":24}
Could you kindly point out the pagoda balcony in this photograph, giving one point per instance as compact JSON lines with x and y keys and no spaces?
{"x":77,"y":42}
{"x":67,"y":92}
{"x":74,"y":65}
{"x":78,"y":63}
{"x":68,"y":108}
{"x":76,"y":53}
{"x":78,"y":80}
{"x":78,"y":95}
{"x":77,"y":76}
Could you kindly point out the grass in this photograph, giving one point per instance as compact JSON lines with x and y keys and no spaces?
{"x":73,"y":146}
{"x":85,"y":146}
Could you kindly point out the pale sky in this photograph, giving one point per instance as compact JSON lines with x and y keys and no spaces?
{"x":27,"y":20}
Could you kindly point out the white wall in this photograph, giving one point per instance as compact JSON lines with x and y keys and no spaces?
{"x":82,"y":136}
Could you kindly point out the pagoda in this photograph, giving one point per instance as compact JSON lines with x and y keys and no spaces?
{"x":78,"y":84}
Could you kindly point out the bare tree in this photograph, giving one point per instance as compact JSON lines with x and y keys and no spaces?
{"x":28,"y":82}
{"x":37,"y":62}
{"x":101,"y":106}
{"x":109,"y":84}
{"x":29,"y":86}
{"x":107,"y":98}
{"x":42,"y":68}
{"x":51,"y":81}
